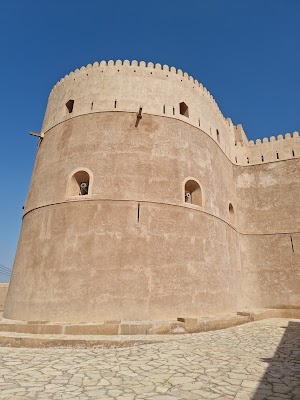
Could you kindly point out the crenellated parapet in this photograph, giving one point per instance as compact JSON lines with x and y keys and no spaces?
{"x":268,"y":149}
{"x":126,"y":86}
{"x":140,"y":66}
{"x":160,"y":90}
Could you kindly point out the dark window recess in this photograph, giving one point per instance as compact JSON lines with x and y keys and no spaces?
{"x":173,"y":110}
{"x":236,"y":160}
{"x":218,"y":135}
{"x":70,"y":106}
{"x":115,"y":103}
{"x":164,"y":109}
{"x":92,"y":105}
{"x":277,"y":155}
{"x":248,"y":160}
{"x":79,"y":185}
{"x":138,"y":214}
{"x":192,"y":193}
{"x":183,"y":109}
{"x":262,"y":158}
{"x":293,"y":153}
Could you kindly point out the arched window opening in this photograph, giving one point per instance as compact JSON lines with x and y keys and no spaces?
{"x":79,"y":184}
{"x":183,"y":109}
{"x":218,"y":136}
{"x":70,"y":106}
{"x":192,"y":193}
{"x":231,"y":214}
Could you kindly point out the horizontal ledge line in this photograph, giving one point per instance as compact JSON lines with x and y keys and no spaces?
{"x":144,"y":113}
{"x":195,"y":208}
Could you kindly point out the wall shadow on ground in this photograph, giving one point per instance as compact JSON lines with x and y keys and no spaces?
{"x":282,"y":377}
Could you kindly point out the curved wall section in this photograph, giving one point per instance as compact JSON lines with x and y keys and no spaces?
{"x":150,"y":163}
{"x":94,"y":261}
{"x":172,"y":220}
{"x":132,"y":248}
{"x":124,"y":87}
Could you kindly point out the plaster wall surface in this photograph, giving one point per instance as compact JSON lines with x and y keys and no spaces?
{"x":134,"y":236}
{"x":271,"y":275}
{"x":269,"y":217}
{"x":268,"y":197}
{"x":133,"y":248}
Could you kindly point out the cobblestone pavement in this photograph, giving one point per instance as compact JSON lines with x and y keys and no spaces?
{"x":259,"y":360}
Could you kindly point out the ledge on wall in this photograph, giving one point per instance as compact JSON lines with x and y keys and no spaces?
{"x":123,"y":333}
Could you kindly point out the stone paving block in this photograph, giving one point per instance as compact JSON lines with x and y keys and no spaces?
{"x":163,"y":397}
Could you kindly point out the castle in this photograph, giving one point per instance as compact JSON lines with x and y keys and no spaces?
{"x":147,"y":204}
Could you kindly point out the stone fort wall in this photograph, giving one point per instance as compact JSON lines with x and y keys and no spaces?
{"x":133,"y":248}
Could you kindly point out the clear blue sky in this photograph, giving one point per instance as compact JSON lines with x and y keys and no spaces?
{"x":246,"y":52}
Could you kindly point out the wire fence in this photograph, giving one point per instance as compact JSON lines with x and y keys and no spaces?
{"x":4,"y":273}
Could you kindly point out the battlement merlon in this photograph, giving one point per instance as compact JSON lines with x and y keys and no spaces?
{"x":240,"y":135}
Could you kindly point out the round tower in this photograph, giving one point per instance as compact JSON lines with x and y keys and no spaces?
{"x":131,"y":211}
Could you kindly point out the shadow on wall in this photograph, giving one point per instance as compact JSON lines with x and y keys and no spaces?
{"x":282,"y":378}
